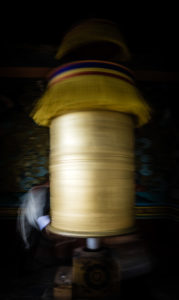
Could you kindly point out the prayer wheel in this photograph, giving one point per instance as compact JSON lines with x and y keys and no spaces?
{"x":92,"y":173}
{"x":91,"y":105}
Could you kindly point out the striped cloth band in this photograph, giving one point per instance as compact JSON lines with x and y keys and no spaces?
{"x":90,"y":67}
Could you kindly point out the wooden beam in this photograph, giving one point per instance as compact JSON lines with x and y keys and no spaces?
{"x":156,"y":76}
{"x":24,"y":72}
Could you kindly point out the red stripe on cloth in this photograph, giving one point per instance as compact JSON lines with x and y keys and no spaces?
{"x":88,"y":61}
{"x":91,"y":73}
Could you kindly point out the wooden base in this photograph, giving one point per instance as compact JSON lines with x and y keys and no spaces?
{"x":97,"y":274}
{"x":94,"y":275}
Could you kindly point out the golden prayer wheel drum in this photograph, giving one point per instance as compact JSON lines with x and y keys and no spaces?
{"x":92,"y":174}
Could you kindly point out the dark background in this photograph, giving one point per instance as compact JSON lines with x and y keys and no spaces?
{"x":147,"y":28}
{"x":30,"y":34}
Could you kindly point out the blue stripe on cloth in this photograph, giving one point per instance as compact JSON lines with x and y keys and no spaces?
{"x":91,"y":64}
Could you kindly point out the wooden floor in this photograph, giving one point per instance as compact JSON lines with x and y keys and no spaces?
{"x":39,"y":285}
{"x":27,"y":275}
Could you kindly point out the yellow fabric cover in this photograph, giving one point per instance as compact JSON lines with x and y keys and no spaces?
{"x":74,"y":91}
{"x":91,"y":31}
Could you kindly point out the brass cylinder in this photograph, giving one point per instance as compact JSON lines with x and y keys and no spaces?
{"x":92,"y":174}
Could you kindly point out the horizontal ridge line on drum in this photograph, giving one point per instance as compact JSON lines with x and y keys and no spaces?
{"x":91,"y":234}
{"x":74,"y":157}
{"x":100,"y":215}
{"x":98,"y":153}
